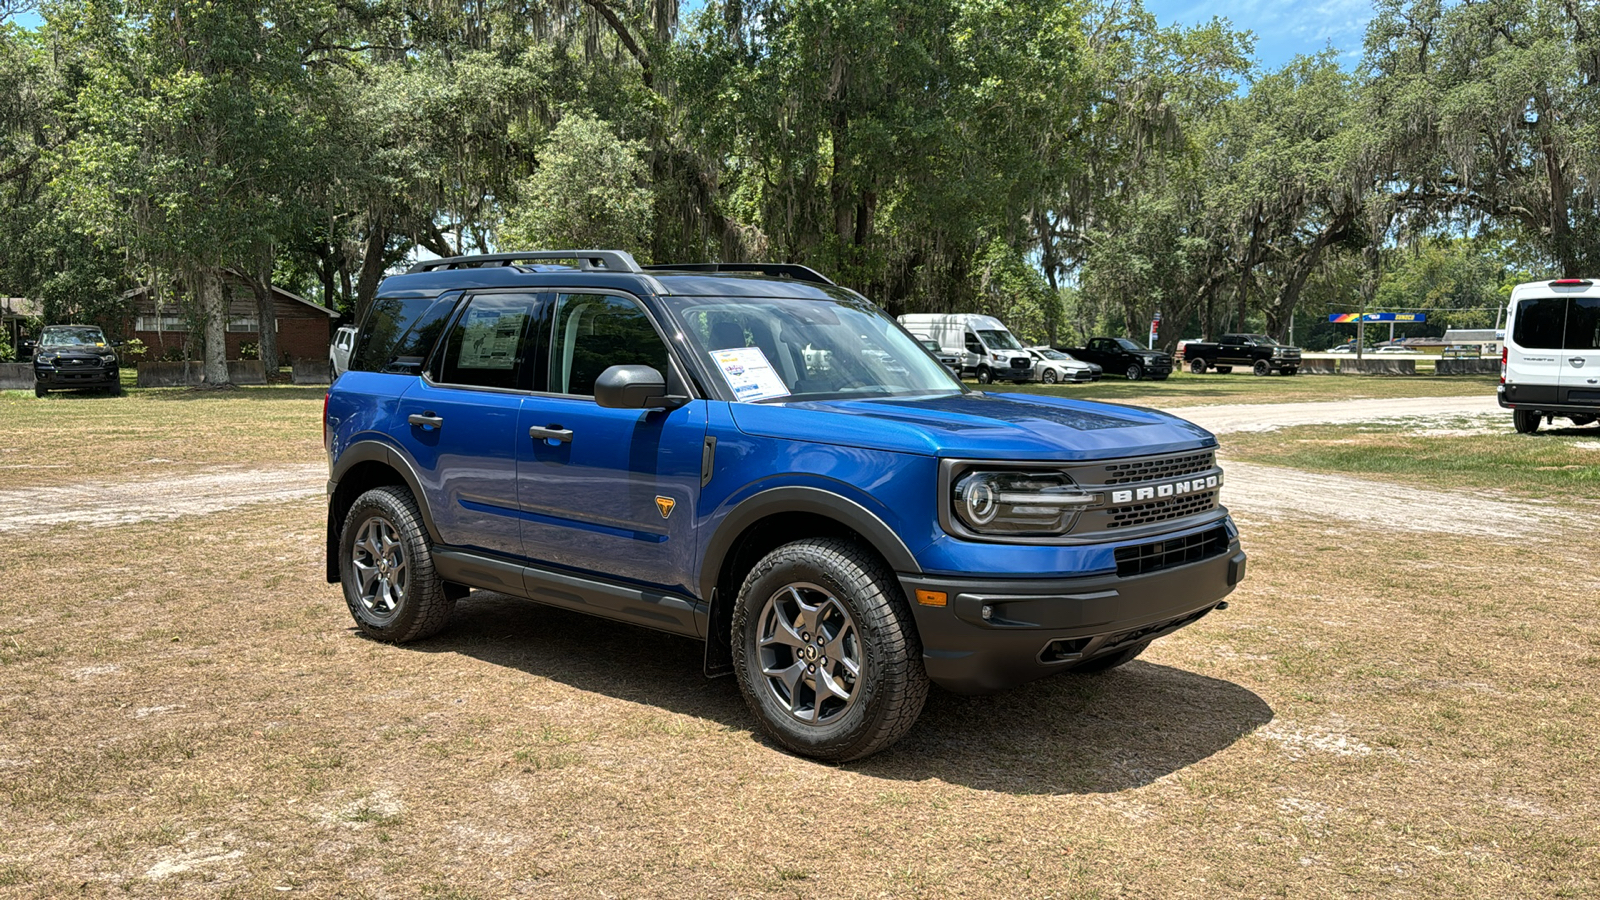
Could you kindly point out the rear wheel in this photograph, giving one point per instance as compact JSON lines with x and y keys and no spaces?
{"x":386,"y":569}
{"x":825,"y":650}
{"x":1134,"y":372}
{"x":1197,"y":366}
{"x":1111,"y":661}
{"x":1262,"y":367}
{"x":1526,"y":420}
{"x":1581,"y":421}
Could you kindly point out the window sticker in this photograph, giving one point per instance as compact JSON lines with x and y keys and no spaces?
{"x":490,"y":341}
{"x":749,"y":374}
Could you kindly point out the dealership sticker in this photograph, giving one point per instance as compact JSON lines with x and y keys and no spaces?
{"x":749,"y":374}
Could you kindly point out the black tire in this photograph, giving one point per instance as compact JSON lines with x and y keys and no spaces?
{"x":1224,"y":369}
{"x":1049,"y":376}
{"x":414,"y":606}
{"x":115,"y":390}
{"x":1290,"y":370}
{"x":39,"y":390}
{"x":1161,"y":377}
{"x":1526,"y":420}
{"x":1110,"y":661}
{"x":984,"y":375}
{"x":1581,"y":421}
{"x":857,"y":607}
{"x":1197,"y":366}
{"x":1262,"y":367}
{"x":1134,"y":372}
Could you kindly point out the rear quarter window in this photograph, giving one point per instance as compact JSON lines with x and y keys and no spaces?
{"x":399,"y":333}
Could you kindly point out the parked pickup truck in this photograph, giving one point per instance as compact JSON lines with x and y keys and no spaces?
{"x":1257,"y":352}
{"x":1123,"y":356}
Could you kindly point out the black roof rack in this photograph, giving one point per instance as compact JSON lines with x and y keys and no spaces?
{"x":788,"y":270}
{"x":587,"y":260}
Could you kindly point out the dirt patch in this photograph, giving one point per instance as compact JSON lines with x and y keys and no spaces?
{"x":1423,"y":411}
{"x":124,"y":502}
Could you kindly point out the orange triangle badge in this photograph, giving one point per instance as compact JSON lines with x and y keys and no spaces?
{"x":665,"y":504}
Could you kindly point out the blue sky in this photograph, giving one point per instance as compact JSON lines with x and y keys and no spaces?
{"x":1282,"y":29}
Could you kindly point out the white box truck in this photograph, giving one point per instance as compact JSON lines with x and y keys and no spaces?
{"x":986,"y":348}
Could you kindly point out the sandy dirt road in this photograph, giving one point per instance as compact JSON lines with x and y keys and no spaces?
{"x":1253,"y":490}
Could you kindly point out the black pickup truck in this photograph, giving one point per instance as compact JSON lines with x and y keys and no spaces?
{"x":1123,"y":356}
{"x":1257,"y":352}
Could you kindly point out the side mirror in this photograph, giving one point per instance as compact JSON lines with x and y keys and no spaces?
{"x":634,"y":387}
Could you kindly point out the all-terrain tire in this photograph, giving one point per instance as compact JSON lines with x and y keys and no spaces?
{"x":1197,"y":366}
{"x":386,"y":568}
{"x":856,"y":608}
{"x":1110,"y":661}
{"x":1262,"y":367}
{"x":1526,"y":420}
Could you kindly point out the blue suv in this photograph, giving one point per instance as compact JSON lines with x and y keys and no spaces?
{"x":751,"y":455}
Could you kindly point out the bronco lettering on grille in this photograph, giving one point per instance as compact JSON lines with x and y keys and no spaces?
{"x":1169,"y":489}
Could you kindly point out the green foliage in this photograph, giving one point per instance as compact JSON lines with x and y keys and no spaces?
{"x":589,"y":191}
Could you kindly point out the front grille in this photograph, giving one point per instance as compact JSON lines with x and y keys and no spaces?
{"x":1161,"y":510}
{"x":1157,"y":555}
{"x":1021,"y":362}
{"x":1152,"y":469}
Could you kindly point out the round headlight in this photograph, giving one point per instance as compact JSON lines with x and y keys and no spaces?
{"x":1017,"y":502}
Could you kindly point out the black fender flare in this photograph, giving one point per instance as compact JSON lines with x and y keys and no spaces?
{"x":365,"y":452}
{"x":796,"y":498}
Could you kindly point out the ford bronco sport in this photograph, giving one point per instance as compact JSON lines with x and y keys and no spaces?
{"x":750,"y":455}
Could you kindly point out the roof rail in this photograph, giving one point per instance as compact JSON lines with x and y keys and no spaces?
{"x":789,"y":270}
{"x":587,"y":260}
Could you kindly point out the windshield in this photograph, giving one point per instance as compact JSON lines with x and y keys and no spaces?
{"x":791,"y":349}
{"x":1126,"y":344}
{"x":1052,"y":354}
{"x":999,"y":340}
{"x":72,"y":337}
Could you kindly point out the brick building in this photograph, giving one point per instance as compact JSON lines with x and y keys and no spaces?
{"x":304,"y":328}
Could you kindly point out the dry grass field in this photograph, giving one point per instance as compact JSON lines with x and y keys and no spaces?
{"x":186,"y":711}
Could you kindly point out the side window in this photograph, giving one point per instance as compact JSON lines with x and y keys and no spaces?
{"x":592,"y":333}
{"x":488,"y":342}
{"x":972,"y":344}
{"x":1540,"y":323}
{"x":1583,"y":324}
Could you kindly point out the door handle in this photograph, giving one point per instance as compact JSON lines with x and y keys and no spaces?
{"x":426,"y":420}
{"x":551,"y":433}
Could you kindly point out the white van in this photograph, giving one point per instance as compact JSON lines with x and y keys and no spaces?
{"x":1550,"y":365}
{"x":984,"y":345}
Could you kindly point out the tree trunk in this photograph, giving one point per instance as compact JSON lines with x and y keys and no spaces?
{"x":372,"y":263}
{"x":214,"y":313}
{"x":266,"y":311}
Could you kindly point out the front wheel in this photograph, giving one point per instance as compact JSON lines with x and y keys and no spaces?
{"x":1134,"y":372}
{"x":386,"y":569}
{"x":1262,"y":367}
{"x":1049,"y":376}
{"x":1526,"y":420}
{"x":39,"y":390}
{"x":984,"y":375}
{"x":825,"y":651}
{"x":1197,"y":366}
{"x":1290,"y":370}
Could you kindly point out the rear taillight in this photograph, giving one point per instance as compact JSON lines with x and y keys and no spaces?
{"x":1503,"y":352}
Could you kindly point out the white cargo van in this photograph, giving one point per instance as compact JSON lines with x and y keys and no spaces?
{"x":984,"y":345}
{"x":1550,"y":365}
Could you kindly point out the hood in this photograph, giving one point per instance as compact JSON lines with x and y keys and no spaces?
{"x":977,"y":426}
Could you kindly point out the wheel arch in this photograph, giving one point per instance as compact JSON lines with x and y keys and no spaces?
{"x":362,"y":467}
{"x":762,"y":523}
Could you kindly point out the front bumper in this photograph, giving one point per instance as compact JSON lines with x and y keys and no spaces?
{"x":1038,"y":627}
{"x":76,"y":377}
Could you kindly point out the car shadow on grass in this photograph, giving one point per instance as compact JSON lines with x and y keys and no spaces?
{"x":1067,"y":734}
